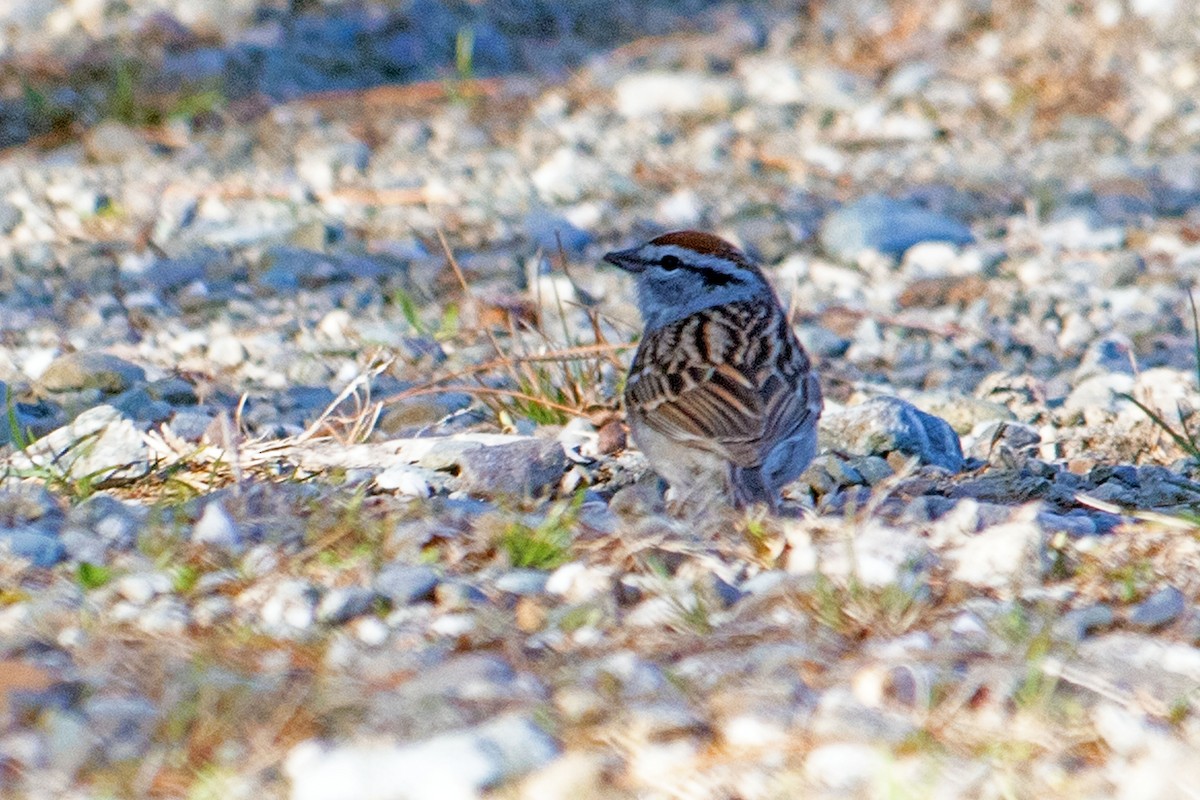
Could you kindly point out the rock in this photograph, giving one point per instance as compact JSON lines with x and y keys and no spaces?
{"x":88,"y":369}
{"x":1078,"y":623}
{"x":342,"y":605}
{"x":291,"y":268}
{"x":577,"y":582}
{"x":226,"y":351}
{"x":567,"y":175}
{"x":31,"y":420}
{"x":963,"y":412}
{"x":1158,"y":487}
{"x":1124,"y":730}
{"x":99,"y":446}
{"x":165,"y":615}
{"x":210,"y":611}
{"x":138,"y":405}
{"x":844,"y":766}
{"x":290,"y":608}
{"x":405,"y":584}
{"x":217,"y":528}
{"x":460,"y":764}
{"x":1008,"y":556}
{"x":523,"y":582}
{"x":878,"y":555}
{"x":638,"y":500}
{"x":1005,"y":486}
{"x":404,"y":479}
{"x":1080,"y":228}
{"x":873,"y":469}
{"x":995,"y":439}
{"x":1161,"y":608}
{"x":30,"y":525}
{"x":457,"y":596}
{"x":10,"y":218}
{"x":40,"y":550}
{"x":140,"y":588}
{"x":645,"y":93}
{"x":574,"y":774}
{"x":886,"y":226}
{"x":421,"y":412}
{"x":190,"y":424}
{"x":884,"y":425}
{"x":121,"y":725}
{"x":1097,"y":395}
{"x":548,"y":230}
{"x":112,"y":142}
{"x":524,"y":468}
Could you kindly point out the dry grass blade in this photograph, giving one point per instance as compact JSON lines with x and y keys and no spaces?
{"x":363,"y":421}
{"x":504,"y":359}
{"x":493,"y":392}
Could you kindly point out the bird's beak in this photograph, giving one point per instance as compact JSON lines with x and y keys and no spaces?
{"x":626,"y":260}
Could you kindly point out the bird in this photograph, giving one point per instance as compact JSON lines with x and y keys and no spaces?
{"x":720,"y":395}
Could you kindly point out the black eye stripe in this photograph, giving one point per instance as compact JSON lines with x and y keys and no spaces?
{"x":710,"y":276}
{"x":713,"y":277}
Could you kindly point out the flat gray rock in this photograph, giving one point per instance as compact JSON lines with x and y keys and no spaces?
{"x":1161,"y":608}
{"x":524,"y":468}
{"x":99,"y":446}
{"x":87,"y":369}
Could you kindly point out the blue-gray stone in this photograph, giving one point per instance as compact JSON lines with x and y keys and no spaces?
{"x":886,"y":424}
{"x":887,"y":226}
{"x":404,"y":584}
{"x":547,"y":230}
{"x":41,"y":550}
{"x":1160,"y":608}
{"x":523,"y":582}
{"x":342,"y":605}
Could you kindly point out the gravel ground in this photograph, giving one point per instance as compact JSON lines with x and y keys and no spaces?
{"x":314,"y":477}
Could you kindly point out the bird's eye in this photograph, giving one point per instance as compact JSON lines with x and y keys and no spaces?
{"x":670,"y":263}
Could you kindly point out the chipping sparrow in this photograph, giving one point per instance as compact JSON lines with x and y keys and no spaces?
{"x":720,"y":392}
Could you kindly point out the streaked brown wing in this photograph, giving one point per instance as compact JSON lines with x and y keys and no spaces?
{"x":726,"y":382}
{"x":717,"y":408}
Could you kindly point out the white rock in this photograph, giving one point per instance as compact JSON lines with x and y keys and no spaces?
{"x":226,"y":351}
{"x":577,"y":582}
{"x":843,"y":766}
{"x":771,"y":81}
{"x":931,"y":259}
{"x":1001,"y":556}
{"x":141,"y":587}
{"x":371,"y":631}
{"x":403,"y":480}
{"x":165,"y":615}
{"x":336,"y":324}
{"x":877,"y":555}
{"x":453,"y":766}
{"x":290,"y":608}
{"x":1124,"y":731}
{"x":100,"y":444}
{"x":566,"y":175}
{"x":571,"y":775}
{"x":453,"y":625}
{"x":681,"y":209}
{"x":642,"y":94}
{"x":216,"y":527}
{"x":755,"y":730}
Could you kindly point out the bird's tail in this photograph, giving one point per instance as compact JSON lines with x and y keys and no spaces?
{"x":748,"y":485}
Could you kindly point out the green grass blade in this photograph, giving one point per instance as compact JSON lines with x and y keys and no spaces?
{"x":1185,"y":441}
